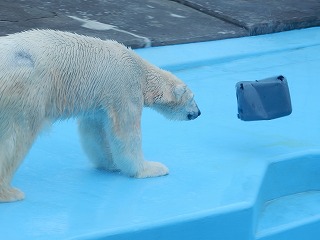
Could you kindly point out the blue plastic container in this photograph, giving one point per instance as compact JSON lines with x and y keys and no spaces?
{"x":265,"y":99}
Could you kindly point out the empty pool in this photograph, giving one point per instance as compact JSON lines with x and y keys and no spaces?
{"x":229,"y":179}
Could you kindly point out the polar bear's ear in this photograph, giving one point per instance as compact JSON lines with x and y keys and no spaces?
{"x":179,"y":91}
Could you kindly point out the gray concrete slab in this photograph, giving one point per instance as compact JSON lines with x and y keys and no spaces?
{"x":260,"y":16}
{"x":142,"y":23}
{"x":136,"y":23}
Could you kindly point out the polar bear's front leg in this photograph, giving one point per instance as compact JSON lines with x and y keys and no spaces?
{"x":94,"y":142}
{"x":125,"y":142}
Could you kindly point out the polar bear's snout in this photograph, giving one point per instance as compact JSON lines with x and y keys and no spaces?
{"x":192,"y":108}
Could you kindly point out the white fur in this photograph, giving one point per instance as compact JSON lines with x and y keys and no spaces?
{"x":48,"y":75}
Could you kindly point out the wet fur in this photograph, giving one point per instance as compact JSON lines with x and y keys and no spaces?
{"x":48,"y":75}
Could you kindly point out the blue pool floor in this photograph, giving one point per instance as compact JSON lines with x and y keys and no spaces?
{"x":228,"y":179}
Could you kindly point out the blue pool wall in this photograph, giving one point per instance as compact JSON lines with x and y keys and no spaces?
{"x":228,"y":179}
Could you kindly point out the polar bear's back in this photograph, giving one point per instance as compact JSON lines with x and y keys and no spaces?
{"x":68,"y":69}
{"x":36,"y":47}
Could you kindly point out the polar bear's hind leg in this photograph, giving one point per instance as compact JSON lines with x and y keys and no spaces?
{"x":10,"y":194}
{"x":14,"y":145}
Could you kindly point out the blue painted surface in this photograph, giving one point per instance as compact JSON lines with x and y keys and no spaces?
{"x":228,"y":179}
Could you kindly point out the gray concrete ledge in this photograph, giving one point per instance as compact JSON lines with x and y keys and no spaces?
{"x":144,"y":23}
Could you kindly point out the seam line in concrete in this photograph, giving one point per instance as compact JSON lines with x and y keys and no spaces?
{"x":217,"y":15}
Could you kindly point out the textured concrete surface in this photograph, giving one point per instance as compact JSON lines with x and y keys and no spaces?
{"x":144,"y":23}
{"x":260,"y":17}
{"x":136,"y":23}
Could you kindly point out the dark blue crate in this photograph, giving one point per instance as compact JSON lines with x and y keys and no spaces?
{"x":264,"y":99}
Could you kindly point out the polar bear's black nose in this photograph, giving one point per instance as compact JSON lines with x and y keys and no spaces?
{"x":194,"y":115}
{"x":191,"y":116}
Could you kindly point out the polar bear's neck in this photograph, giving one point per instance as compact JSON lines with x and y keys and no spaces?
{"x":153,"y":87}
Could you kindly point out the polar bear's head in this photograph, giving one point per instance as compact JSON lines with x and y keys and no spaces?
{"x":170,"y":96}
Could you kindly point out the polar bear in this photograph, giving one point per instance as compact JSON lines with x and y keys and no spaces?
{"x":48,"y":75}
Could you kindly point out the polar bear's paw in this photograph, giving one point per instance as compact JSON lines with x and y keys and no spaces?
{"x":108,"y":167}
{"x":8,"y":194}
{"x":112,"y":168}
{"x":152,"y":169}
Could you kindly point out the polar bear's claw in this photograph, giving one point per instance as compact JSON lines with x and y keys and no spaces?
{"x":152,"y":169}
